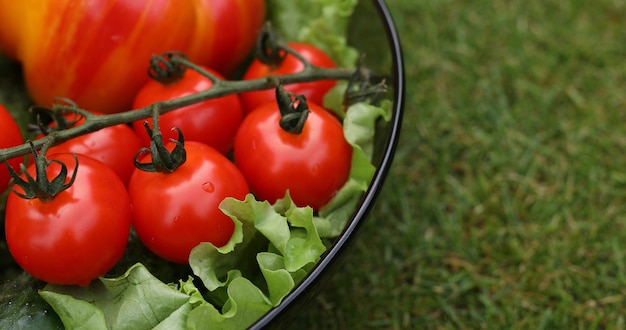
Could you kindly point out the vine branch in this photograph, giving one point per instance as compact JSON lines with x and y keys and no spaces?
{"x":219,"y":88}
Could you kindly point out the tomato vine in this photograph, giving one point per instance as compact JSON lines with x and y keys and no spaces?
{"x":220,"y":87}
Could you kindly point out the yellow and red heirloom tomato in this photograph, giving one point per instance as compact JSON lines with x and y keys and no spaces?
{"x":10,"y":136}
{"x":78,"y":234}
{"x":97,"y":52}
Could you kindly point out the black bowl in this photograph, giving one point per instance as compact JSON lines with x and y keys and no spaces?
{"x":372,"y":32}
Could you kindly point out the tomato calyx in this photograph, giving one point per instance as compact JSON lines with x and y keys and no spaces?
{"x":163,"y":160}
{"x":164,"y":69}
{"x":270,"y":48}
{"x":360,"y":89}
{"x":41,"y":187}
{"x":293,"y":110}
{"x":55,"y":118}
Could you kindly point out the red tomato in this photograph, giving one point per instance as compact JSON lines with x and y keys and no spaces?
{"x":96,"y":52}
{"x":80,"y":233}
{"x":313,"y":91}
{"x":313,"y":165}
{"x":115,"y":146}
{"x":10,"y":136}
{"x":174,"y":212}
{"x":213,"y":122}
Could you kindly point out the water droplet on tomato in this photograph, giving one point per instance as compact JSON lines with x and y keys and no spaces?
{"x":208,"y":187}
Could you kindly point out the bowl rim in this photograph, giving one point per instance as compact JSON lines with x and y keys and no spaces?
{"x":366,"y":203}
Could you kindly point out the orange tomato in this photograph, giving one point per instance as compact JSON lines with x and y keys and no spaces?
{"x":96,"y":53}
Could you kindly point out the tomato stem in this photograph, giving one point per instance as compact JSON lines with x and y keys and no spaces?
{"x":220,"y":88}
{"x":269,"y":46}
{"x":183,"y":61}
{"x":272,"y":49}
{"x":45,"y":117}
{"x":163,"y":160}
{"x":293,"y":110}
{"x":360,"y":89}
{"x":41,"y":187}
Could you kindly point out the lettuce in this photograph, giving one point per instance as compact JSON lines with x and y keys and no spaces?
{"x":273,"y":247}
{"x":135,"y":300}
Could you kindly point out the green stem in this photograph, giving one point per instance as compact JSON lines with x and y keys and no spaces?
{"x":220,"y":88}
{"x":294,"y":110}
{"x":271,"y":48}
{"x":40,"y":186}
{"x":163,"y":69}
{"x":162,"y":160}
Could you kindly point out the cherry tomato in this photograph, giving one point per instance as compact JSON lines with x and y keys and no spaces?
{"x":313,"y":164}
{"x":174,"y":212}
{"x":313,"y":91}
{"x":115,"y":146}
{"x":10,"y":136}
{"x":97,"y":52}
{"x":213,"y":122}
{"x":80,"y":233}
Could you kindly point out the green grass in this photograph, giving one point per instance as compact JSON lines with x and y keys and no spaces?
{"x":506,"y":204}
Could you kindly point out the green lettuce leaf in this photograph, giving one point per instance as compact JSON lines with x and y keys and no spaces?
{"x":246,"y":304}
{"x":75,"y":313}
{"x":220,"y":265}
{"x":135,"y":300}
{"x":285,"y":228}
{"x":279,"y":280}
{"x":358,"y":124}
{"x":359,"y":130}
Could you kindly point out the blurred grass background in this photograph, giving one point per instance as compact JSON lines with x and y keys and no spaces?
{"x":505,"y":207}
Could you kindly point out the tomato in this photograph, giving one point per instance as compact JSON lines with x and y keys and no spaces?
{"x":313,"y":91}
{"x":77,"y":235}
{"x":10,"y":136}
{"x":97,"y":52}
{"x":115,"y":146}
{"x":313,"y":164}
{"x":174,"y":212}
{"x":228,"y":40}
{"x":213,"y":122}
